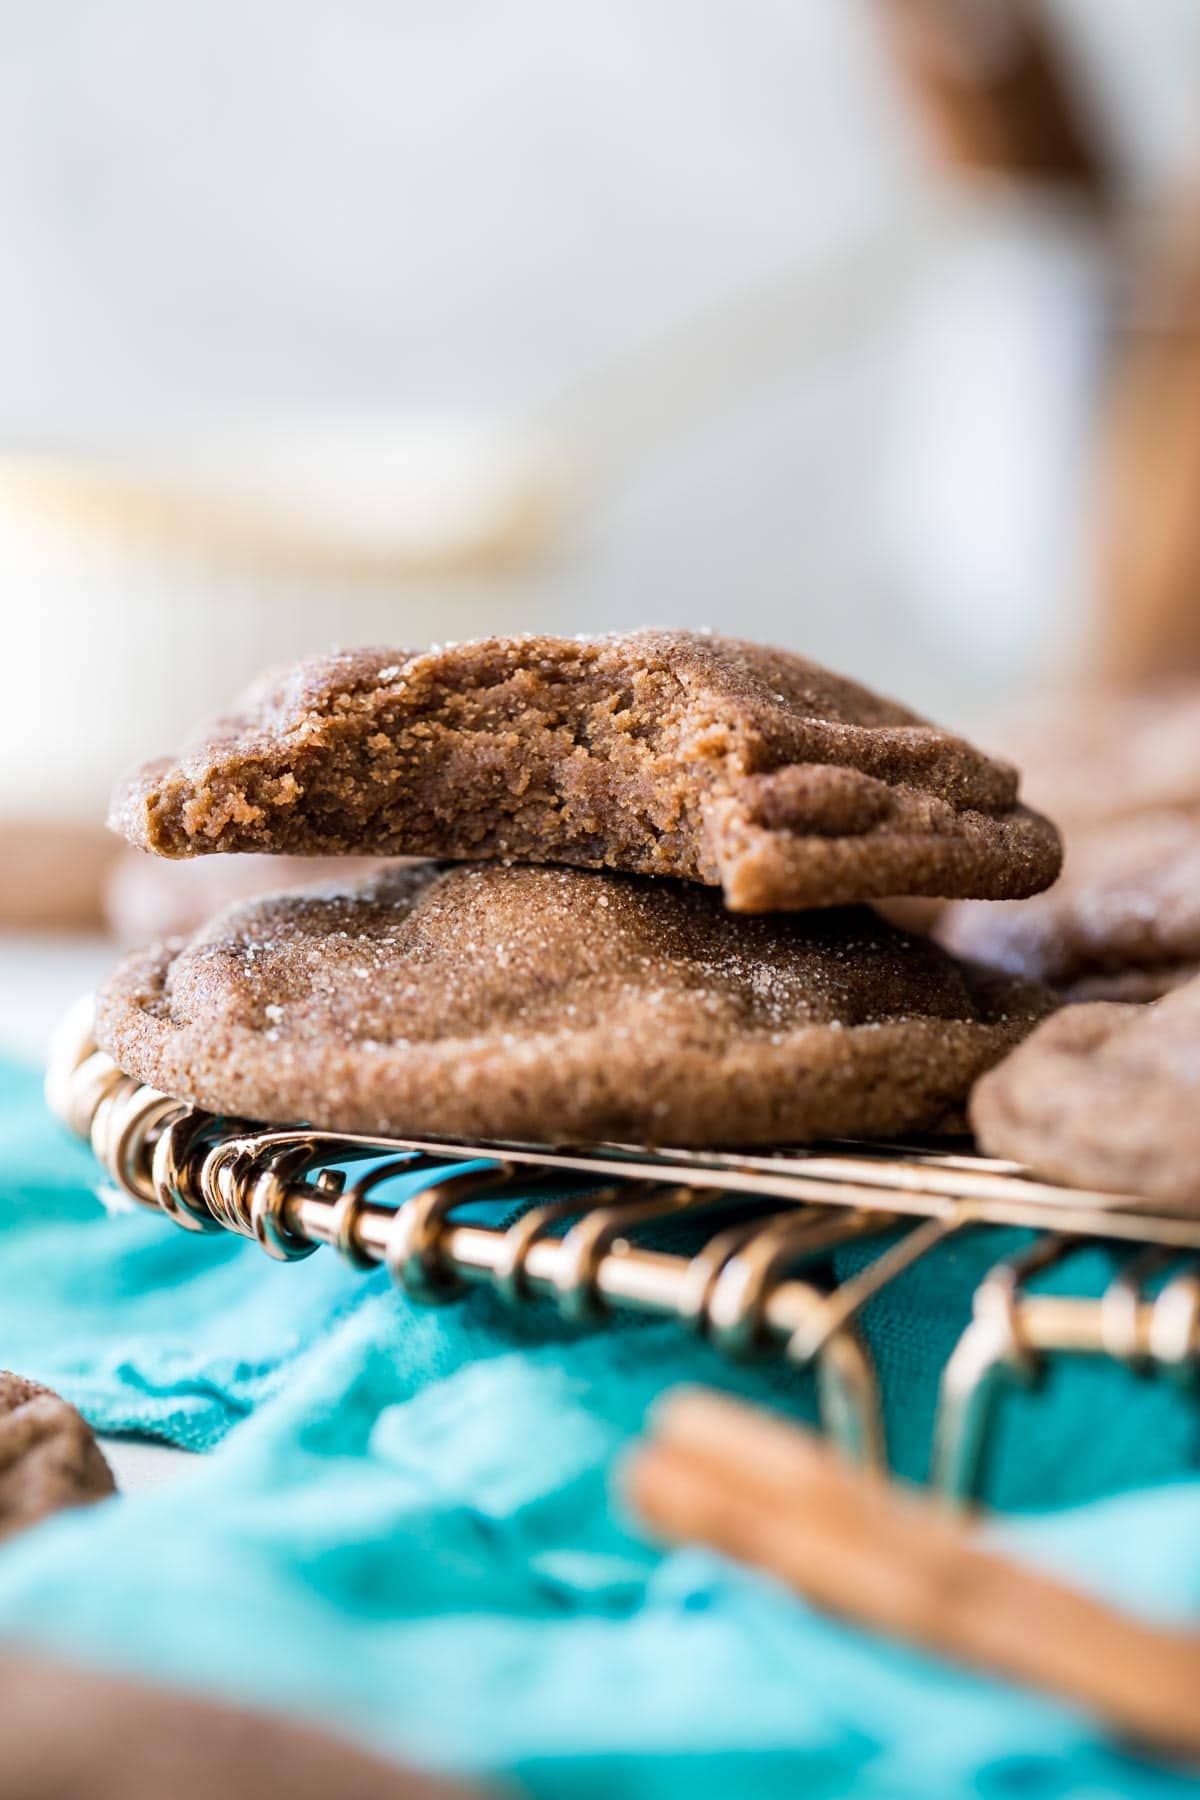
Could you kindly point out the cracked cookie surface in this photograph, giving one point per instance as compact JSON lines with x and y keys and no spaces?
{"x":555,"y":1004}
{"x":656,"y":752}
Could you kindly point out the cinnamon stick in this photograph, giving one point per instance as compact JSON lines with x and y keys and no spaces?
{"x":1144,"y":511}
{"x":994,"y":93}
{"x":773,"y":1495}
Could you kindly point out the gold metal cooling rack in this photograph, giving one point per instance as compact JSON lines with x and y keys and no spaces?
{"x":759,"y":1280}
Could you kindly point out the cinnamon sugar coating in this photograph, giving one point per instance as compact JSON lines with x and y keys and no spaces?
{"x":1104,"y":1096}
{"x":659,"y":752}
{"x":555,"y":1004}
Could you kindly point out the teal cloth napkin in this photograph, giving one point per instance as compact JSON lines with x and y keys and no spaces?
{"x":406,"y":1527}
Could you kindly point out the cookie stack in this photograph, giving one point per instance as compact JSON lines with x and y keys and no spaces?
{"x":643,"y":916}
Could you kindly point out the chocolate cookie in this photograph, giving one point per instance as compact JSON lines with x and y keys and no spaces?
{"x":1102,"y":754}
{"x":49,"y":1458}
{"x":70,"y":1735}
{"x":1104,"y":1096}
{"x":1122,"y":924}
{"x":660,"y":753}
{"x":533,"y":1003}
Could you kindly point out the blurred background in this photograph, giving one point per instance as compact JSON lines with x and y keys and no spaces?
{"x":868,"y":327}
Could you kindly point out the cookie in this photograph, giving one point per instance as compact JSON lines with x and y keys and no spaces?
{"x":49,"y":1458}
{"x":67,"y":1732}
{"x":555,"y":1004}
{"x":658,"y":753}
{"x":1103,"y":1096}
{"x":1102,"y":754}
{"x":1122,"y":924}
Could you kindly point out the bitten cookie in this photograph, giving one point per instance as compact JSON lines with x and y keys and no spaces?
{"x":534,"y":1003}
{"x":1104,"y":1096}
{"x":1122,"y":924}
{"x":659,"y":753}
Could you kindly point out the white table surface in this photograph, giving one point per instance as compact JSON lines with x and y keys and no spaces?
{"x":39,"y":979}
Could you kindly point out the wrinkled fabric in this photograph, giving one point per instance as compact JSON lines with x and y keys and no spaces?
{"x":406,"y":1526}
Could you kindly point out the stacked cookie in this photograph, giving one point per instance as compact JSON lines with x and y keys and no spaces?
{"x":643,"y":914}
{"x":1104,"y":1095}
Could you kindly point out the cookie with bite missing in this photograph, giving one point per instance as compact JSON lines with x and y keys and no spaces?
{"x":558,"y":1004}
{"x":658,"y":752}
{"x":1104,"y":1096}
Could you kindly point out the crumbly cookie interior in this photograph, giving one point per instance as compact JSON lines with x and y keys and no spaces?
{"x":499,"y":766}
{"x":656,"y":753}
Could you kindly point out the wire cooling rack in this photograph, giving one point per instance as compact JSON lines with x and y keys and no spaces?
{"x":767,"y":1224}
